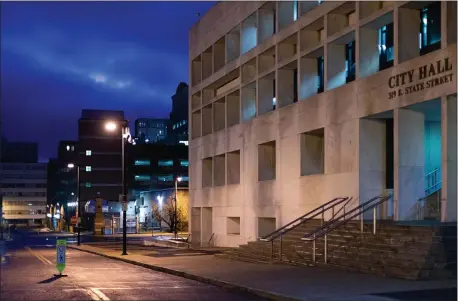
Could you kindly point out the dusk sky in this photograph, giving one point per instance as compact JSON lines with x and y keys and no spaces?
{"x":58,"y":58}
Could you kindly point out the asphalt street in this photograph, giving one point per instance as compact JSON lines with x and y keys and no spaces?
{"x":28,"y":274}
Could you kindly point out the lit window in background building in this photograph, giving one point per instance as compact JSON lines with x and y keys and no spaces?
{"x":88,"y":153}
{"x":142,"y":178}
{"x":88,"y":168}
{"x":165,"y":163}
{"x":184,"y":163}
{"x":165,"y":178}
{"x":68,"y":147}
{"x":142,"y":162}
{"x":184,"y":141}
{"x":88,"y":184}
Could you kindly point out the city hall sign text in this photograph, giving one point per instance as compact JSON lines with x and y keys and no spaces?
{"x":429,"y":75}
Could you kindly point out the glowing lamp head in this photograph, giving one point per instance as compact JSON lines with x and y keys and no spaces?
{"x":179,"y":179}
{"x":110,"y":126}
{"x":70,"y":165}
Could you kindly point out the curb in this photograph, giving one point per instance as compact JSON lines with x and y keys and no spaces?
{"x":222,"y":284}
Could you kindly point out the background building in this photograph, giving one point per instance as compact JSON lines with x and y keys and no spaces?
{"x":24,"y":152}
{"x":22,"y":184}
{"x":150,"y":130}
{"x":178,"y":123}
{"x":302,"y":102}
{"x":156,"y":166}
{"x":99,"y":155}
{"x":23,"y":188}
{"x":62,"y":186}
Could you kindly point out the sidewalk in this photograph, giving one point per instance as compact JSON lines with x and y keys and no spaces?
{"x":183,"y":235}
{"x":275,"y":281}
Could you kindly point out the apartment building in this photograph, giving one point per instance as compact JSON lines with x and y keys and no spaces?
{"x":23,"y":189}
{"x":294,"y":103}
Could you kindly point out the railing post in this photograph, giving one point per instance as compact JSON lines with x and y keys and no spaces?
{"x":326,"y":248}
{"x":375,"y":219}
{"x":272,"y":250}
{"x":322,"y":216}
{"x":281,"y":247}
{"x":314,"y":255}
{"x":362,"y":221}
{"x":333,"y":212}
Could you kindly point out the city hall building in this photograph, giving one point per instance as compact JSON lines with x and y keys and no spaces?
{"x":294,"y":103}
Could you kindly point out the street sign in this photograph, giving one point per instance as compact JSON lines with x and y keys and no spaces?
{"x":61,"y":247}
{"x":73,"y":220}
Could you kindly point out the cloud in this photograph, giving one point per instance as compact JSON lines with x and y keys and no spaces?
{"x":115,"y":67}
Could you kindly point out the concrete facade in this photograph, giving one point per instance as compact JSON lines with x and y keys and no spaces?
{"x":286,"y":157}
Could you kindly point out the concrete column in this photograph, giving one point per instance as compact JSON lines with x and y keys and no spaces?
{"x":336,"y":66}
{"x":368,"y":52}
{"x":285,"y":86}
{"x":409,"y":161}
{"x":408,"y":28}
{"x":372,"y":156}
{"x":449,"y":159}
{"x":308,"y":77}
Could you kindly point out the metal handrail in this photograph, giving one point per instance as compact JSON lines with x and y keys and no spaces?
{"x":211,"y":237}
{"x":343,"y":219}
{"x":304,"y":218}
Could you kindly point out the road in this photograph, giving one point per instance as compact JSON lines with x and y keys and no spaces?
{"x":28,"y":274}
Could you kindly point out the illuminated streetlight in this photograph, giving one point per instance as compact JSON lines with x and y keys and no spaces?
{"x":71,"y":165}
{"x":110,"y":126}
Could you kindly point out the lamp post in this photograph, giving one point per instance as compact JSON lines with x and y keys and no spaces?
{"x":71,"y":165}
{"x":111,"y":126}
{"x":178,"y":179}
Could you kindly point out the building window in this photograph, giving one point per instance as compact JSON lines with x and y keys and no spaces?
{"x":88,"y":185}
{"x":184,"y":163}
{"x":350,"y":61}
{"x":312,"y":152}
{"x":165,"y":163}
{"x":430,"y":28}
{"x":88,"y":153}
{"x":320,"y":68}
{"x":88,"y":168}
{"x":72,"y":148}
{"x":68,"y":147}
{"x":165,"y":178}
{"x":142,"y":162}
{"x":385,"y":46}
{"x":142,"y":178}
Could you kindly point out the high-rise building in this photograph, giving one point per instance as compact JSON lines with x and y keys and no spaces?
{"x":99,"y":154}
{"x":178,"y":123}
{"x":150,"y":130}
{"x":295,"y":103}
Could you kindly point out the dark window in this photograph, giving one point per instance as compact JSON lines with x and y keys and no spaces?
{"x":389,"y":154}
{"x":295,"y":85}
{"x":430,"y":28}
{"x":350,"y":61}
{"x":385,"y":44}
{"x":320,"y":68}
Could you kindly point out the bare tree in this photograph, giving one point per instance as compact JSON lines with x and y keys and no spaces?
{"x":166,"y":214}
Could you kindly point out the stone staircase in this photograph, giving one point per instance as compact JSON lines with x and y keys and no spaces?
{"x":401,"y":251}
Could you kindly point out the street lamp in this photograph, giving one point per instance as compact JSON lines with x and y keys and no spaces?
{"x":71,"y":165}
{"x":178,"y":179}
{"x":111,"y":126}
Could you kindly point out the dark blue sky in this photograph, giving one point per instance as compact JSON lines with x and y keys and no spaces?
{"x":60,"y":57}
